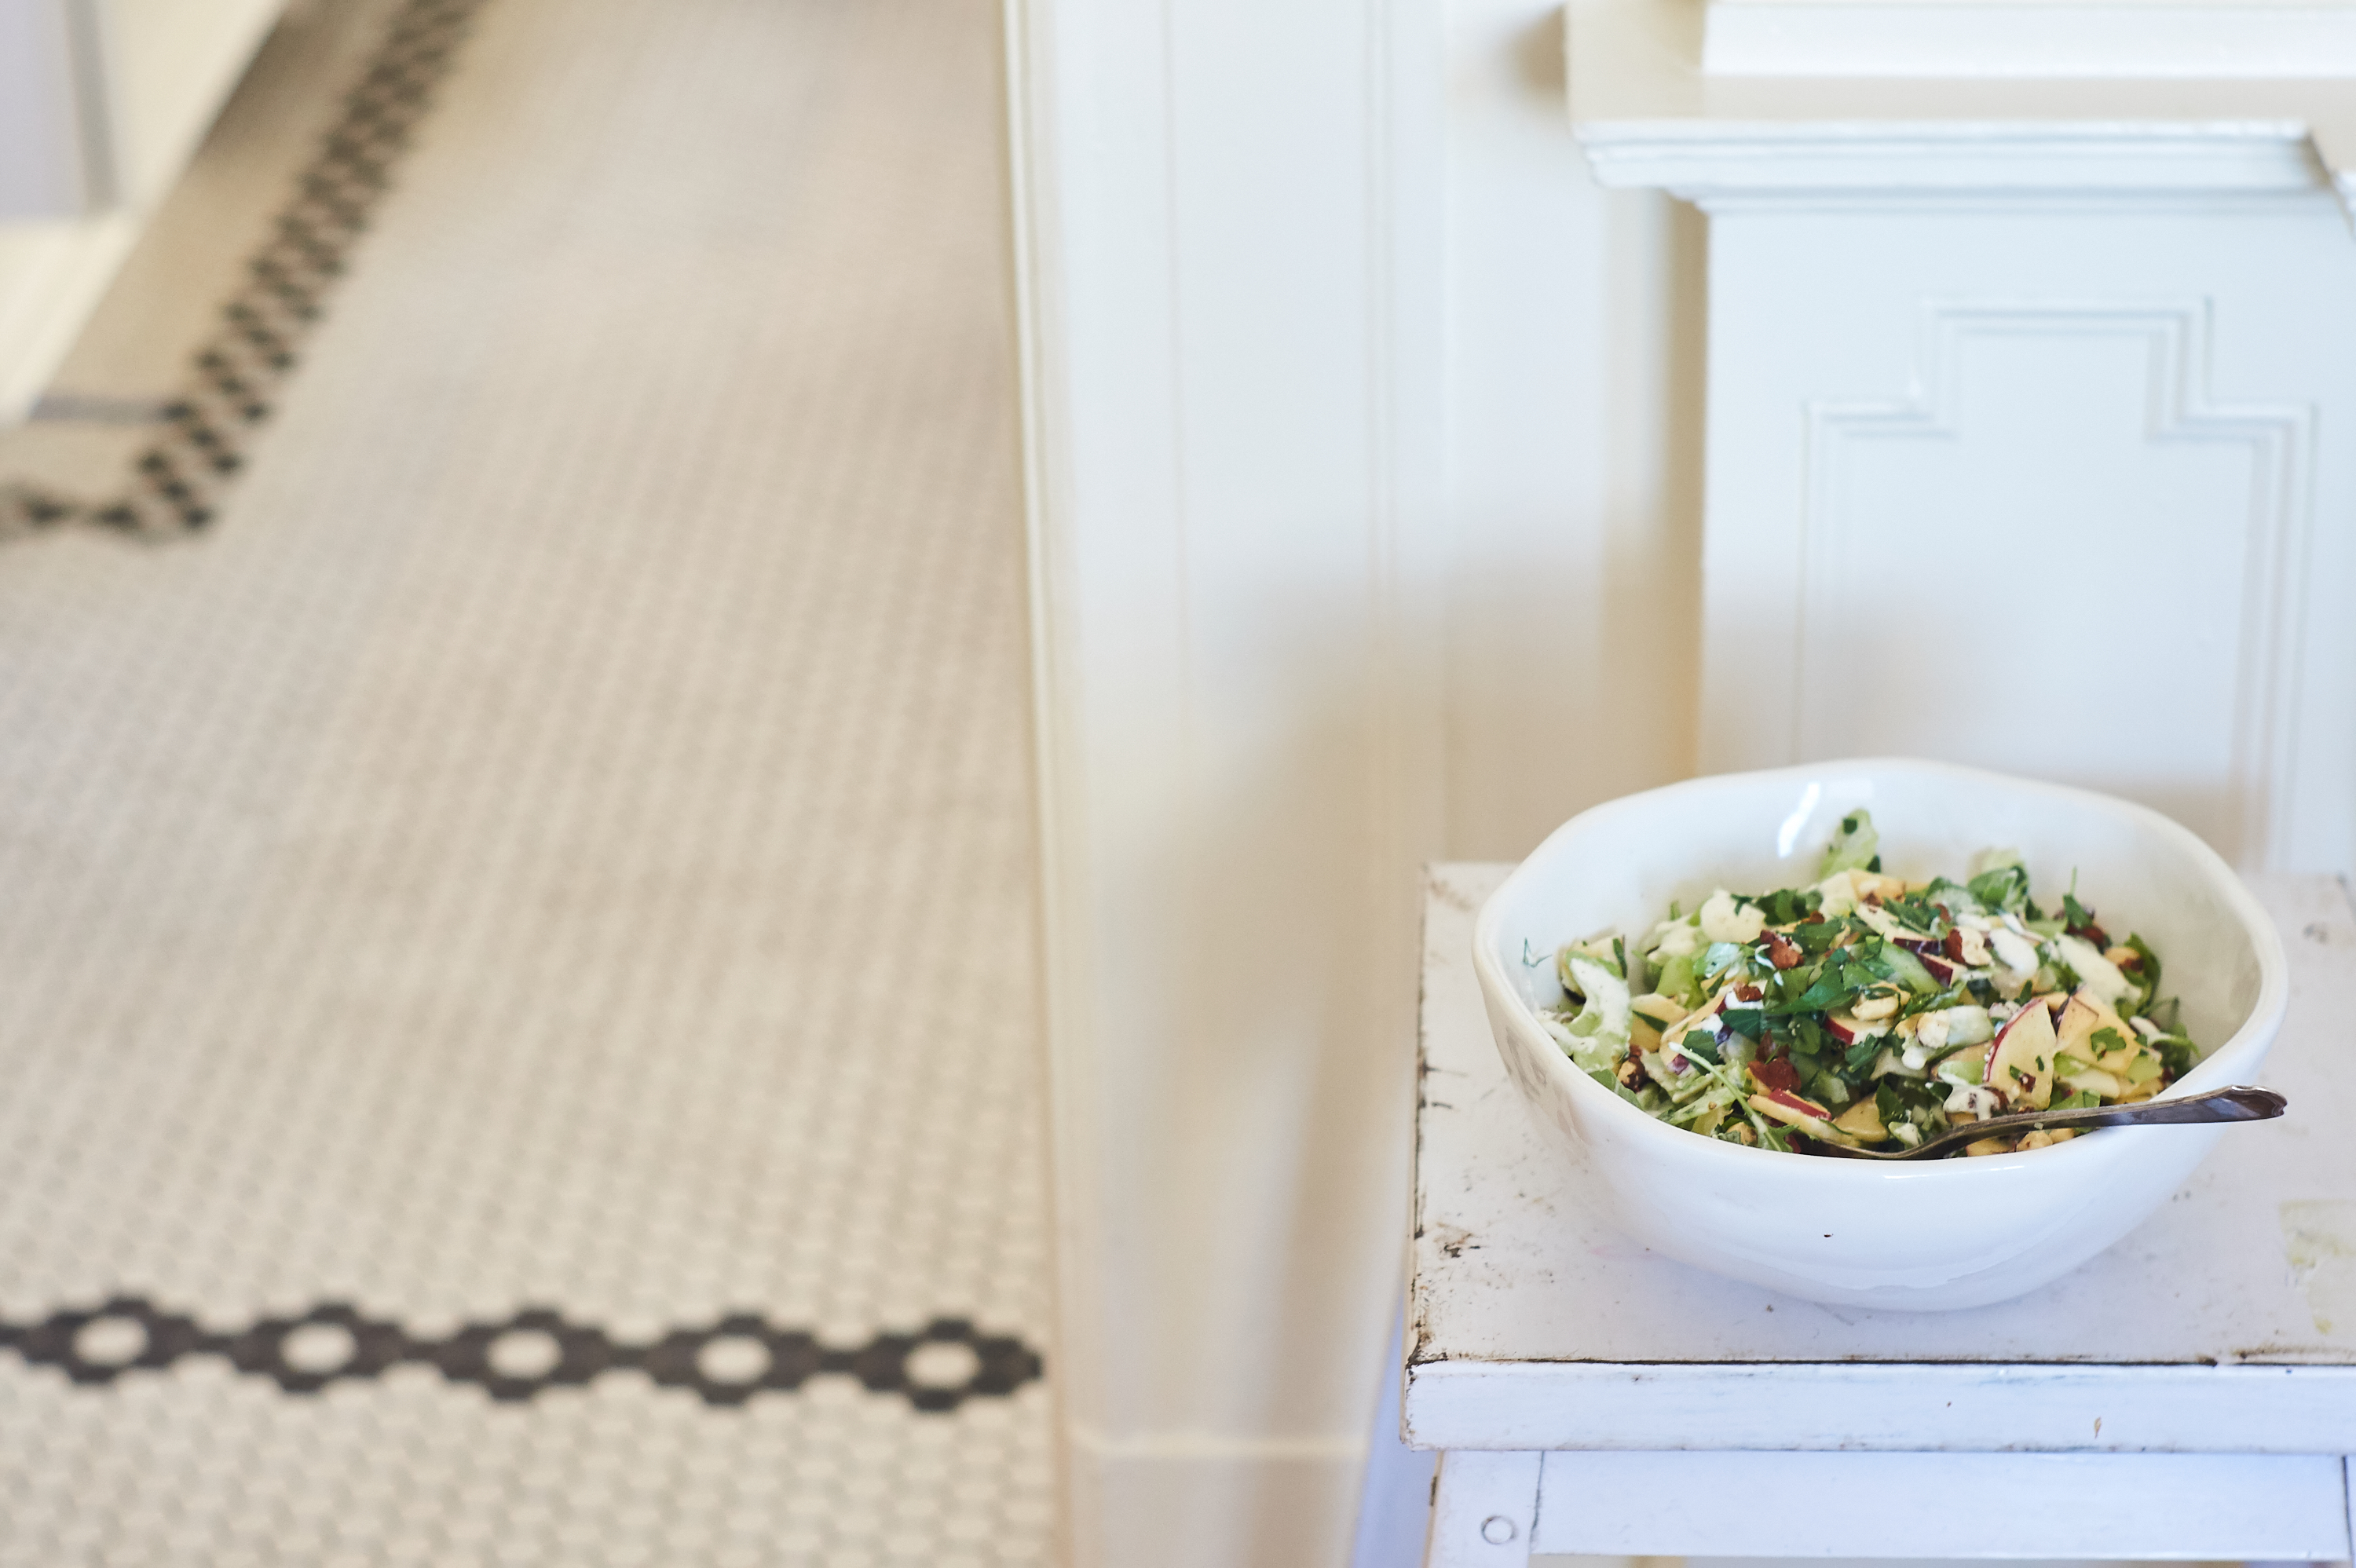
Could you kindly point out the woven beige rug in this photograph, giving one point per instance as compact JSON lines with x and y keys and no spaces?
{"x":516,"y":1026}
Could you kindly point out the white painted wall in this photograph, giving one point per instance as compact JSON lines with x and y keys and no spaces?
{"x":1573,"y":415}
{"x":1364,"y":479}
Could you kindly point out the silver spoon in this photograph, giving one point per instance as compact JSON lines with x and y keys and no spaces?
{"x":2237,"y":1103}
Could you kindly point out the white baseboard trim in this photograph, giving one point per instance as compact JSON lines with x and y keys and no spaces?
{"x":52,"y":275}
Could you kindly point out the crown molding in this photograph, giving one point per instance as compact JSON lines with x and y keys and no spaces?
{"x":2190,"y":39}
{"x":1649,"y":115}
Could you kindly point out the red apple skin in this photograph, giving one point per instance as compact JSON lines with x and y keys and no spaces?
{"x":1792,"y":1102}
{"x":1941,"y":969}
{"x":1989,"y":1071}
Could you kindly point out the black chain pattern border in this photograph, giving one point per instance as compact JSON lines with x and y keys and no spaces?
{"x":789,"y":1357}
{"x":176,"y":482}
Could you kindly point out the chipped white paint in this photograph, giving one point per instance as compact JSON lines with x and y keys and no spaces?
{"x":2319,"y":1242}
{"x":1533,"y":1325}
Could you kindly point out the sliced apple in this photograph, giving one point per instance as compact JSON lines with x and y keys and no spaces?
{"x":2092,"y":1081}
{"x":1663,"y":1010}
{"x":2020,"y":1059}
{"x":1877,"y":885}
{"x":1703,"y":1018}
{"x":1863,"y":1120}
{"x":1963,"y":1067}
{"x":2082,"y":1015}
{"x":1800,"y":1116}
{"x":1848,"y":1030}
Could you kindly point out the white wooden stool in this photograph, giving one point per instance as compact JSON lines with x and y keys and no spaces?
{"x":2189,"y":1393}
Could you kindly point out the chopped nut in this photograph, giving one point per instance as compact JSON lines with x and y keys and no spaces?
{"x":1781,"y":954}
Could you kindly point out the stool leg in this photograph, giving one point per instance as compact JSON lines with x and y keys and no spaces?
{"x":1483,"y":1511}
{"x":2348,"y":1486}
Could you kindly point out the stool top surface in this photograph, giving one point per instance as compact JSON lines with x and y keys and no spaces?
{"x":2252,"y":1262}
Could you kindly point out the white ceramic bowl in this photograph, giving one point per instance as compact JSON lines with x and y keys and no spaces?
{"x":1927,"y":1235}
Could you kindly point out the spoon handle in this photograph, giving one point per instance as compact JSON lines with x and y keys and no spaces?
{"x":2237,"y":1103}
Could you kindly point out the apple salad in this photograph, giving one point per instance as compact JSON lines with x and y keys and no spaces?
{"x":1869,"y":1010}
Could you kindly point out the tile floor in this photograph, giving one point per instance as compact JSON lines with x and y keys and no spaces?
{"x":555,"y":842}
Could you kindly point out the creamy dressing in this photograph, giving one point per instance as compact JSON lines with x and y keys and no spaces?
{"x":2096,"y":973}
{"x":2015,"y":952}
{"x":1607,"y":994}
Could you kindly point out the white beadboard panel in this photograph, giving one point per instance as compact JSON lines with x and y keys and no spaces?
{"x":1362,"y":443}
{"x":1227,"y":243}
{"x":2040,"y":490}
{"x":2159,"y":1506}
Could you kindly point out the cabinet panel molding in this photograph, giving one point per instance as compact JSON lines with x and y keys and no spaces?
{"x":2118,"y":549}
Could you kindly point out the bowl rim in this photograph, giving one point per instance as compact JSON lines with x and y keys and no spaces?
{"x":2265,"y":1016}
